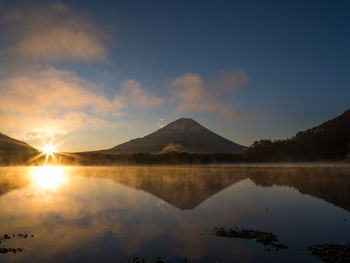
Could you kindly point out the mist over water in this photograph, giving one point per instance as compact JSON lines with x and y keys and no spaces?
{"x":112,"y":214}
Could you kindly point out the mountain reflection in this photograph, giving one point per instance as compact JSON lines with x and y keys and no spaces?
{"x":187,"y":187}
{"x":181,"y":187}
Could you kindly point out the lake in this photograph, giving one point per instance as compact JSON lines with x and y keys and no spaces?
{"x":113,"y":214}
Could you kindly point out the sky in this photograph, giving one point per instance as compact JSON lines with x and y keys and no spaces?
{"x":93,"y":74}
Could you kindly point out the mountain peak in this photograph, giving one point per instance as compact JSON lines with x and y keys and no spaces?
{"x":183,"y":124}
{"x":185,"y":121}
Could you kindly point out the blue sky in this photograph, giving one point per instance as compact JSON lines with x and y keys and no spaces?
{"x":250,"y":69}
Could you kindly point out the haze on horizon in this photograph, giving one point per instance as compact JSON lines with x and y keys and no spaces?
{"x":95,"y":74}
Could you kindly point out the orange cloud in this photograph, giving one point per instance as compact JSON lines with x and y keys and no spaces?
{"x":53,"y":33}
{"x":54,"y":89}
{"x":60,"y":102}
{"x":190,"y":92}
{"x":53,"y":100}
{"x":59,"y":44}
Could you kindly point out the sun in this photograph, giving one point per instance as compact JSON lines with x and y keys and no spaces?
{"x":49,"y":149}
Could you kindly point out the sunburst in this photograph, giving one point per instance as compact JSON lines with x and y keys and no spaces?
{"x":49,"y":150}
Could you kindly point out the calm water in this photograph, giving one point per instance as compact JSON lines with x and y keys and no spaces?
{"x":112,"y":214}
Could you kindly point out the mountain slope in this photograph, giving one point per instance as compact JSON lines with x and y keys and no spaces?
{"x":183,"y":135}
{"x":13,"y":151}
{"x":328,"y":141}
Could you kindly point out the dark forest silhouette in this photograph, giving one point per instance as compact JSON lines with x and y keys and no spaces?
{"x":328,"y":141}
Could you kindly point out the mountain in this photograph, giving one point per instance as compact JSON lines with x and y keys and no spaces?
{"x":182,"y":135}
{"x":13,"y":151}
{"x":328,"y":141}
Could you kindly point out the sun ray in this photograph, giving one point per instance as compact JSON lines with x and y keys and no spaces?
{"x":30,"y":161}
{"x":49,"y":152}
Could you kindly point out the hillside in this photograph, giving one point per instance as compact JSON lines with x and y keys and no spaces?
{"x":182,"y":135}
{"x":14,"y":152}
{"x":328,"y":141}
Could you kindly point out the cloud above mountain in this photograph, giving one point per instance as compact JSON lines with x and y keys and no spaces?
{"x":190,"y":92}
{"x":137,"y":96}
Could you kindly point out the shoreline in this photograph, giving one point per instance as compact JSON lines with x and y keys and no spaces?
{"x":343,"y":164}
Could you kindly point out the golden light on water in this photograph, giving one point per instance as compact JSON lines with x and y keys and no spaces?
{"x":48,"y":177}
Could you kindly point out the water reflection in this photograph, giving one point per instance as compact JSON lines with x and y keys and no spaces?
{"x":111,"y":214}
{"x":48,"y":177}
{"x":187,"y":187}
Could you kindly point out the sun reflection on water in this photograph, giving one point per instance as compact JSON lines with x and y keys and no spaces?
{"x":48,"y":177}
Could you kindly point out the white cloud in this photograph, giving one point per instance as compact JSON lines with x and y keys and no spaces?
{"x":161,"y":123}
{"x":190,"y":92}
{"x":138,"y":96}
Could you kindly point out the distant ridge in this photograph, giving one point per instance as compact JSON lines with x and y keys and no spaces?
{"x":182,"y":135}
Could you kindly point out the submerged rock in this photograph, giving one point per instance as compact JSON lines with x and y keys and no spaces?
{"x":8,"y":250}
{"x":20,"y":235}
{"x":331,"y":252}
{"x":6,"y":237}
{"x":266,"y":238}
